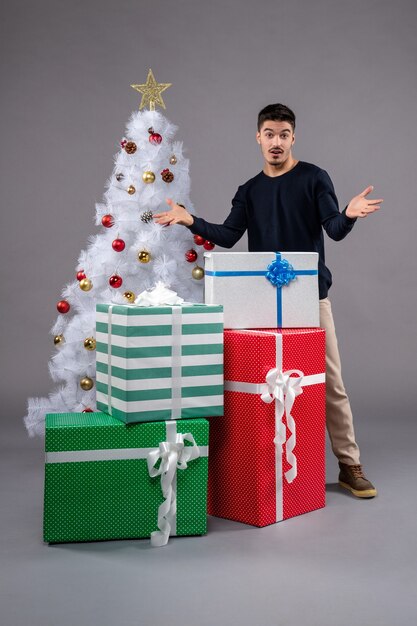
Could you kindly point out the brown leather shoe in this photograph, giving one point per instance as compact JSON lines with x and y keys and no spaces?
{"x":351,"y":477}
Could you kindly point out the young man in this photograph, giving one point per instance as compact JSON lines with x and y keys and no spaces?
{"x":285,"y":207}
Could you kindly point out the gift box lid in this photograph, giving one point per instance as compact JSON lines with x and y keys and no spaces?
{"x":298,"y":348}
{"x":99,"y":431}
{"x":258,"y":261}
{"x":135,"y":310}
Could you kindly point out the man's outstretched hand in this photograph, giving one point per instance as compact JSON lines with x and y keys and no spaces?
{"x":361,"y":206}
{"x":177,"y":215}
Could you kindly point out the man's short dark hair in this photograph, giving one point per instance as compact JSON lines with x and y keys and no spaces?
{"x":276,"y":113}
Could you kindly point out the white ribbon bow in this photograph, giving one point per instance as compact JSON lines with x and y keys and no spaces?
{"x":284,"y":389}
{"x":173,"y":455}
{"x":159,"y":295}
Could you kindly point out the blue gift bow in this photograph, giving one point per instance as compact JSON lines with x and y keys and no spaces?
{"x":264,"y":273}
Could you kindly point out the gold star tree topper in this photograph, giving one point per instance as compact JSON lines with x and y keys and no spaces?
{"x":151,"y":92}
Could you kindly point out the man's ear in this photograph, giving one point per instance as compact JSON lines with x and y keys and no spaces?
{"x":258,"y":137}
{"x":293,"y":139}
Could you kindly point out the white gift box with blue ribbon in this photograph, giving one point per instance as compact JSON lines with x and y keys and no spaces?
{"x":264,"y":289}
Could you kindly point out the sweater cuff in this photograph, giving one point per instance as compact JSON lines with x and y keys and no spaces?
{"x":194,"y":226}
{"x":350,"y":220}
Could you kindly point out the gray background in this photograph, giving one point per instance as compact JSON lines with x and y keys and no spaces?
{"x":348,"y":71}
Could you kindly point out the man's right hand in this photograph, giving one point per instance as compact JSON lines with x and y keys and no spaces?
{"x":176,"y":215}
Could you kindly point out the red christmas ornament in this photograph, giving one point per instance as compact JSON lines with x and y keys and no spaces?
{"x":118,"y":245}
{"x":123,"y":142}
{"x":88,"y":410}
{"x":155,"y":139}
{"x":81,"y":275}
{"x":208,"y":245}
{"x":115,"y":281}
{"x":199,"y":240}
{"x":63,"y":306}
{"x":191,"y":256}
{"x":107,"y":221}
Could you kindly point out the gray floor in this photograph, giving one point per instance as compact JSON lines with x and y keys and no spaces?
{"x":353,"y":562}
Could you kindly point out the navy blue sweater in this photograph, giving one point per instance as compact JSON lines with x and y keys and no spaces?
{"x":283,"y":213}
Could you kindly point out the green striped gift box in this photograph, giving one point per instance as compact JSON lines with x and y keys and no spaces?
{"x":159,"y":363}
{"x":98,"y":485}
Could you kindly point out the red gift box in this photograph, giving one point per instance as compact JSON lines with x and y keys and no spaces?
{"x":267,"y":454}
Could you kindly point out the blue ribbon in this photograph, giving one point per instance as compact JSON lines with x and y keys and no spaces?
{"x":280,"y":273}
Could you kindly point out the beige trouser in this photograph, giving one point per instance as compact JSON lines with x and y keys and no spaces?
{"x":339,"y":419}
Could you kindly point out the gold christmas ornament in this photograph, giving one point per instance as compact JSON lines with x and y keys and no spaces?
{"x":86,"y":284}
{"x":86,"y":383}
{"x":131,"y":190}
{"x":131,"y":147}
{"x":173,"y":160}
{"x":58,"y":339}
{"x":90,"y":343}
{"x":148,"y":177}
{"x":130,"y":296}
{"x":144,"y":256}
{"x":198,"y":272}
{"x":151,"y":92}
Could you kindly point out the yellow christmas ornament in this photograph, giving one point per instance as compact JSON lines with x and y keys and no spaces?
{"x":90,"y":343}
{"x":86,"y":284}
{"x":130,"y":296}
{"x":148,"y":177}
{"x":151,"y":92}
{"x":144,"y":256}
{"x":58,"y":339}
{"x":86,"y":383}
{"x":198,"y":272}
{"x":131,"y":190}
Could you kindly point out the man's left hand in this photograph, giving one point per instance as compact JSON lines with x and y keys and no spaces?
{"x":361,"y":206}
{"x":177,"y":215}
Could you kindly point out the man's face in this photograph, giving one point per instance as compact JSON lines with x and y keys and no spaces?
{"x":276,"y":140}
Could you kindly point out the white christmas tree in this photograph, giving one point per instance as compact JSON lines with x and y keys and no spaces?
{"x":131,"y":253}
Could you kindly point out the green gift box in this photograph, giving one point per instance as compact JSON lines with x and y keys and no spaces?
{"x":159,"y":362}
{"x":107,"y":480}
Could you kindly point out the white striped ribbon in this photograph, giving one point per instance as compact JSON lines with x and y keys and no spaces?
{"x":173,"y":455}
